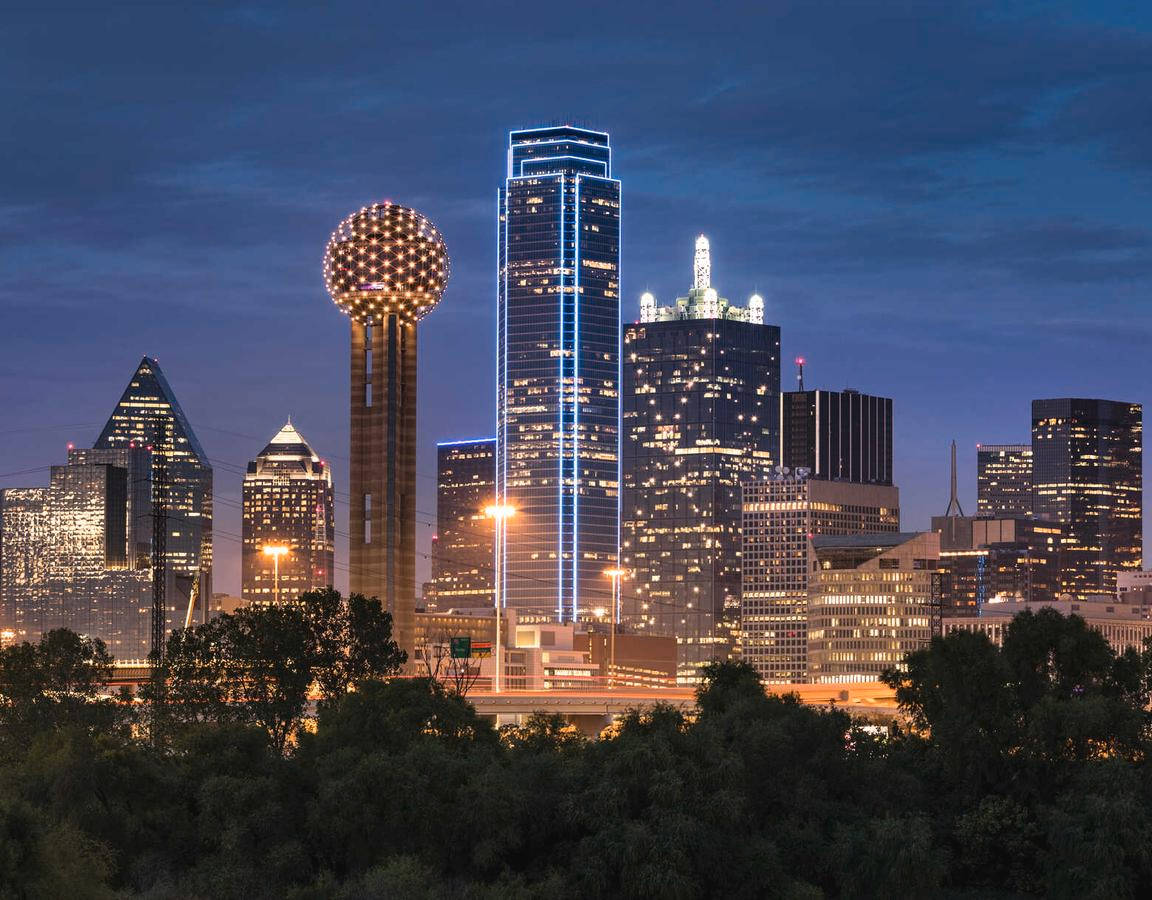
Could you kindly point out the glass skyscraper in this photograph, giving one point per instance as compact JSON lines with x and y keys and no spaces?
{"x":700,"y":405}
{"x":289,"y":504}
{"x":558,"y":360}
{"x":462,"y":566}
{"x":78,"y":554}
{"x":838,"y":435}
{"x":148,"y":415}
{"x":1087,"y":475}
{"x":1004,"y":480}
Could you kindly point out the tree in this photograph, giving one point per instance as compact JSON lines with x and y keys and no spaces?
{"x":458,"y":674}
{"x":258,"y":665}
{"x":55,"y":683}
{"x":352,"y":638}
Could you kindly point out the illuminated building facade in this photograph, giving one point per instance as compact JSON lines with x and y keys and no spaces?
{"x":287,"y":503}
{"x":781,"y":517}
{"x":385,"y":267}
{"x":1086,"y":475}
{"x":873,"y":599}
{"x":838,"y":435}
{"x":558,"y":358}
{"x":148,"y":415}
{"x":462,"y":562}
{"x":701,"y":388}
{"x":24,"y":548}
{"x":991,"y":558}
{"x":1122,"y":621}
{"x":78,"y":554}
{"x":1004,"y":480}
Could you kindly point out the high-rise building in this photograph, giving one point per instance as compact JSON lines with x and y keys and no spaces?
{"x":385,"y":267}
{"x":837,"y":435}
{"x":462,"y":562}
{"x":148,"y":415}
{"x":1086,"y":475}
{"x":1004,"y":480}
{"x":78,"y":554}
{"x":782,"y":516}
{"x":558,"y":360}
{"x":288,"y":521}
{"x":873,"y":599}
{"x":24,"y":548}
{"x":701,"y":385}
{"x":986,"y":559}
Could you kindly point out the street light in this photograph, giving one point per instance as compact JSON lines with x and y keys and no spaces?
{"x":275,"y":551}
{"x":501,"y":512}
{"x":615,"y":574}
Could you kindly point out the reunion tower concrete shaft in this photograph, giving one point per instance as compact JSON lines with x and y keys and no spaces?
{"x":385,"y":267}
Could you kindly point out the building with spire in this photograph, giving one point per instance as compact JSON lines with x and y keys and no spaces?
{"x":558,"y":369}
{"x":701,"y":392}
{"x":993,"y":558}
{"x":149,"y":416}
{"x":289,"y":524}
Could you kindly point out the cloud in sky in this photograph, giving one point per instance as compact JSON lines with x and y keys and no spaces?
{"x":926,"y":193}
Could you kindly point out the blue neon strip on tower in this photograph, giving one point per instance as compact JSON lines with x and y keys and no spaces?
{"x":558,"y":359}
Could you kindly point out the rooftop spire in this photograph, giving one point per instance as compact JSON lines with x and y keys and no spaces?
{"x":954,"y":508}
{"x":702,"y":267}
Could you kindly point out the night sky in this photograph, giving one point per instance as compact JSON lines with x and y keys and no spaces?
{"x":944,"y":203}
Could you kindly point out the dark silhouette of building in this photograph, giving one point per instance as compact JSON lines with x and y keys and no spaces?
{"x":1086,"y":475}
{"x":837,"y":435}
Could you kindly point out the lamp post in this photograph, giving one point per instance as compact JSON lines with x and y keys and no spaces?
{"x":501,"y":513}
{"x":615,"y":574}
{"x":275,"y":551}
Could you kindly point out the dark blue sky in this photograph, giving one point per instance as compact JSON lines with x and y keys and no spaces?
{"x":948,"y":204}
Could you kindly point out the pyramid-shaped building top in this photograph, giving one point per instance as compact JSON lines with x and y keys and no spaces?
{"x":149,"y":414}
{"x":289,"y":443}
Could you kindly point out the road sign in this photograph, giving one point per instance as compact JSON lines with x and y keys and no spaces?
{"x":461,"y":647}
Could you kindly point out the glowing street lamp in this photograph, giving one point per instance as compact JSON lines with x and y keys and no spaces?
{"x":276,"y":551}
{"x":501,"y":512}
{"x":615,"y":574}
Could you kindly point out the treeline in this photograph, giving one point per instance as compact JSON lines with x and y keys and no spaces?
{"x":1019,"y":772}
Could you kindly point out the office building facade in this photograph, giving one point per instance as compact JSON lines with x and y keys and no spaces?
{"x":781,"y":517}
{"x":77,"y":554}
{"x":837,"y":435}
{"x":288,"y":511}
{"x":1004,"y":480}
{"x":873,"y":599}
{"x":462,"y":562}
{"x":701,"y":387}
{"x":986,"y":559}
{"x":149,"y":416}
{"x":24,"y":548}
{"x":558,"y":359}
{"x":1087,"y":476}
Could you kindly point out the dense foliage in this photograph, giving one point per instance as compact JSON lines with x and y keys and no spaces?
{"x":1021,"y":771}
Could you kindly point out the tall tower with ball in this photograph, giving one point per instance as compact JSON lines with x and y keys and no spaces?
{"x":385,"y":267}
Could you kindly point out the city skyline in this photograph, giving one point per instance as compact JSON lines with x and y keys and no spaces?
{"x":843,"y":233}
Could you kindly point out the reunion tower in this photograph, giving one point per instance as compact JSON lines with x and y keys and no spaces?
{"x":385,"y":267}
